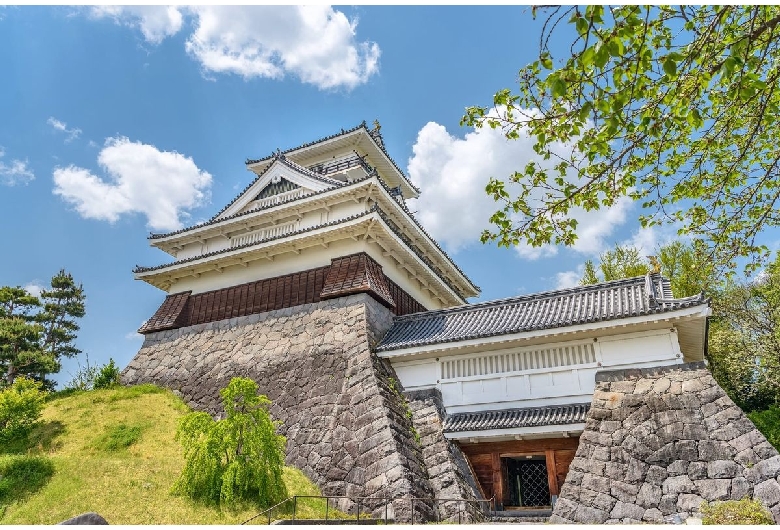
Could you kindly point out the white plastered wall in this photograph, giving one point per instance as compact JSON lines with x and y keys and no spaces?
{"x":531,"y":376}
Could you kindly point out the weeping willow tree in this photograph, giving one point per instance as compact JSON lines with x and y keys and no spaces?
{"x":236,"y":459}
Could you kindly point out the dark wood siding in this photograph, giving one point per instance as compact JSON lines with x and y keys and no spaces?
{"x":344,"y":276}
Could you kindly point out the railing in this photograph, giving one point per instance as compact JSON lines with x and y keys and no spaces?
{"x":265,"y":233}
{"x":326,"y":168}
{"x":278,"y":198}
{"x":475,"y":509}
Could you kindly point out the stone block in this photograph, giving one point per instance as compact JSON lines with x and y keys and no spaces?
{"x":653,"y":516}
{"x":723,"y":469}
{"x":714,"y":489}
{"x":649,"y":495}
{"x":586,"y":515}
{"x":636,"y":471}
{"x":715,"y":450}
{"x":688,"y":502}
{"x":627,"y":510}
{"x":677,"y":485}
{"x":692,"y":385}
{"x":623,"y":491}
{"x":769,"y":468}
{"x":747,"y":458}
{"x":741,"y":488}
{"x":602,"y":501}
{"x":767,"y":492}
{"x":595,"y":483}
{"x":661,"y":385}
{"x":643,"y":386}
{"x":686,"y":450}
{"x":624,"y":387}
{"x":668,"y":504}
{"x":697,"y":470}
{"x":656,"y":475}
{"x":678,"y":467}
{"x":615,"y":470}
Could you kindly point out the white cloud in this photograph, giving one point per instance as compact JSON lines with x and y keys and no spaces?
{"x":61,"y":126}
{"x":16,"y":172}
{"x":140,"y":178}
{"x":155,"y":22}
{"x":452,"y":174}
{"x":566,"y":279}
{"x":316,"y":44}
{"x":34,"y":288}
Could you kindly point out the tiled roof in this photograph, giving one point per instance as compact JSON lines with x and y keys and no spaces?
{"x":169,"y":315}
{"x":357,"y":273}
{"x":289,"y":163}
{"x":514,"y":418}
{"x":375,"y":136}
{"x":214,"y":220}
{"x":382,"y":215}
{"x":643,"y":295}
{"x":139,"y":269}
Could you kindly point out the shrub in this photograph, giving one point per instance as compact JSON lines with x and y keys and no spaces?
{"x":92,"y":377}
{"x":107,"y":376}
{"x":84,"y":378}
{"x":239,"y":458}
{"x":20,"y":407}
{"x":768,"y":422}
{"x":746,"y":511}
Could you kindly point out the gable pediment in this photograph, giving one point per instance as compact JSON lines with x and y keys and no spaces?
{"x":282,"y":180}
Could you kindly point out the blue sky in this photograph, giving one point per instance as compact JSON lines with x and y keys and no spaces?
{"x":115,"y":123}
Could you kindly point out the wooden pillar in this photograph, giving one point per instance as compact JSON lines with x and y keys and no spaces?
{"x":552,"y":478}
{"x":498,"y":480}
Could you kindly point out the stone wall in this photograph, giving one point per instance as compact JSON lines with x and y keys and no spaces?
{"x":346,"y":424}
{"x":657,"y":443}
{"x":448,"y":471}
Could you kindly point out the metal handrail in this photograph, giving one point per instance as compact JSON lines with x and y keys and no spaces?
{"x":385,"y":500}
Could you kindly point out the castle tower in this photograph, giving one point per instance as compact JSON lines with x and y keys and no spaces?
{"x":292,"y":284}
{"x":285,"y":240}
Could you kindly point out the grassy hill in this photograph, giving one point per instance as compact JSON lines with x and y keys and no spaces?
{"x":111,"y":452}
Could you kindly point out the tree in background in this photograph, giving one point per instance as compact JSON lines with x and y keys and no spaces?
{"x":672,"y":106}
{"x":34,"y":336}
{"x":743,"y":348}
{"x":62,"y":305}
{"x":20,"y":348}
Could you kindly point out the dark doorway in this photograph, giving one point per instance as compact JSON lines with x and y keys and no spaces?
{"x":527,"y":482}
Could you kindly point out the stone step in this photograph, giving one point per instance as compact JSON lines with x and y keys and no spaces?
{"x":520,"y":517}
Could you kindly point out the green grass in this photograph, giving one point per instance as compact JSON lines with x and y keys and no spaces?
{"x":113,"y":452}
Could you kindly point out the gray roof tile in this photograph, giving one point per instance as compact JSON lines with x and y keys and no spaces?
{"x":630,"y":297}
{"x":514,"y":418}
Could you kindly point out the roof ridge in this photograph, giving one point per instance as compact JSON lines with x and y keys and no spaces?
{"x":213,"y":220}
{"x":309,"y":144}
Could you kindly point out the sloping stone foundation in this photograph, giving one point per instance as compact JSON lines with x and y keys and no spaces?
{"x":659,"y":442}
{"x":345,"y":421}
{"x":449,"y":474}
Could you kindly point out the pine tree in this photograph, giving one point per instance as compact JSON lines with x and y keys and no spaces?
{"x":62,"y":305}
{"x":20,"y":349}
